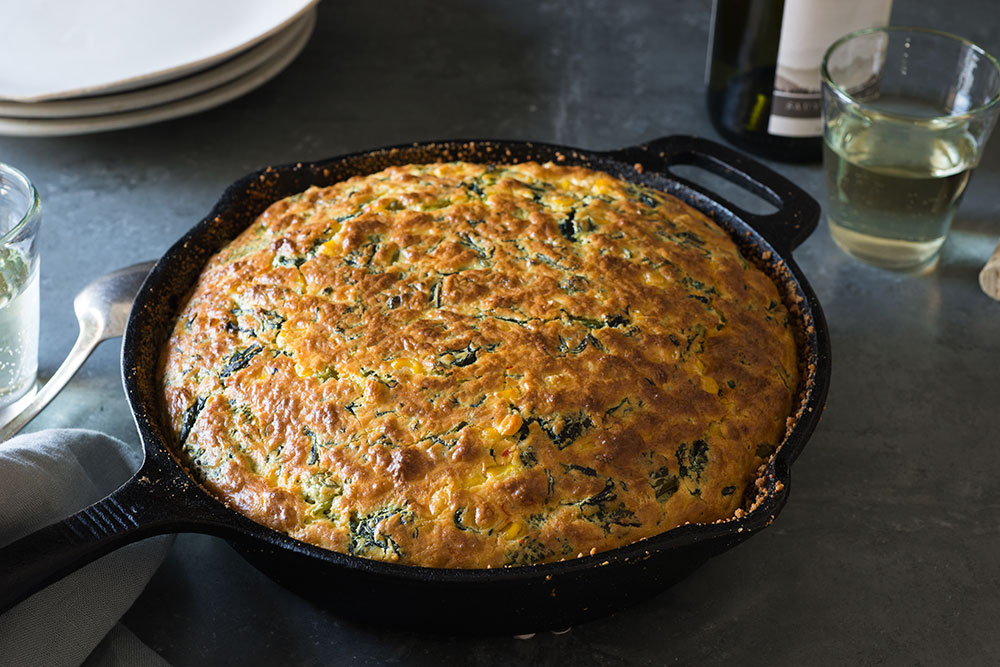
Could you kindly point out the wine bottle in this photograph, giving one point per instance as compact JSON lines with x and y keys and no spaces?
{"x":763,"y":67}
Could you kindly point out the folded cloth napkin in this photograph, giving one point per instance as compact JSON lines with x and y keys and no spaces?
{"x":47,"y":476}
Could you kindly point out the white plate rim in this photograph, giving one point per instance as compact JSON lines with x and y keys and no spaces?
{"x":156,"y":95}
{"x":241,"y":85}
{"x":167,"y":74}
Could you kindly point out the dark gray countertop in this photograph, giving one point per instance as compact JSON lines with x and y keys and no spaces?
{"x":887,"y":549}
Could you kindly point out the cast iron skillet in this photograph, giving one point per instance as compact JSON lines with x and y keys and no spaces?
{"x":162,"y":498}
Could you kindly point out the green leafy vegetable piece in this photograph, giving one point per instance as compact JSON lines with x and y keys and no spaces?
{"x":528,"y":552}
{"x":600,"y":509}
{"x":589,"y":472}
{"x":568,"y":226}
{"x":465,"y":357}
{"x":290,"y":262}
{"x":240,"y":359}
{"x":573,"y":426}
{"x":190,"y":417}
{"x":692,"y":459}
{"x":366,"y":539}
{"x":664,"y":483}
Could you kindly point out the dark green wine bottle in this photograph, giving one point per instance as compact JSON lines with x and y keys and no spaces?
{"x":763,"y":70}
{"x":742,"y":62}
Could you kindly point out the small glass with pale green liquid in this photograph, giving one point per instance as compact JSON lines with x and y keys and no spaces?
{"x":907,"y":113}
{"x":20,"y":218}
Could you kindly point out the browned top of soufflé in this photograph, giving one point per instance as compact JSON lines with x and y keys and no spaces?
{"x":467,"y":366}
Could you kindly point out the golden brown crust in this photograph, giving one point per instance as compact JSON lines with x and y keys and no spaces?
{"x":459,"y":365}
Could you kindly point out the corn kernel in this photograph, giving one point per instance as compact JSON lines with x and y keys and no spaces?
{"x":405,"y":363}
{"x":509,"y":425}
{"x":513,"y":530}
{"x":475,"y":479}
{"x":331,"y":247}
{"x":498,"y":470}
{"x":508,"y":394}
{"x":604,"y":186}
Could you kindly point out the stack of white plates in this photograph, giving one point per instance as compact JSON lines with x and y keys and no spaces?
{"x":77,"y":66}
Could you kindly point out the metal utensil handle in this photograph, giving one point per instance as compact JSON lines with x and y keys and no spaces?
{"x":85,"y":343}
{"x":125,"y":282}
{"x":785,"y":229}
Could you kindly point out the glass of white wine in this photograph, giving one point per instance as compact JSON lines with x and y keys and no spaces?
{"x":906,"y":114}
{"x":20,"y":218}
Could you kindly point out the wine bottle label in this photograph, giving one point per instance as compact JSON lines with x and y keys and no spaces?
{"x":808,"y":28}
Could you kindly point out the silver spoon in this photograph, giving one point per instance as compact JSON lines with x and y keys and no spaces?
{"x":102,"y":309}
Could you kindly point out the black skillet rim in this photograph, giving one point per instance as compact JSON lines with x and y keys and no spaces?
{"x":229,"y":523}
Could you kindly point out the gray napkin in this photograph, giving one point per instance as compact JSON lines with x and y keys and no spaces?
{"x":45,"y":477}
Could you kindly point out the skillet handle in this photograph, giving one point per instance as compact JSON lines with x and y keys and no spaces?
{"x":785,"y":229}
{"x":125,"y":516}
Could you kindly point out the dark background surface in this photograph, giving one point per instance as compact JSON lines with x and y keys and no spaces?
{"x":887,"y":550}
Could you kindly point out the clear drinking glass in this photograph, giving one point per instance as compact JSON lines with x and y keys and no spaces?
{"x":906,"y":114}
{"x":20,"y":217}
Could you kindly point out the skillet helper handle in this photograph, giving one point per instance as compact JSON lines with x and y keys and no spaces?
{"x":785,"y":229}
{"x":46,"y":555}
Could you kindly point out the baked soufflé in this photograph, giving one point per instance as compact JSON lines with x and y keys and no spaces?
{"x":466,"y":366}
